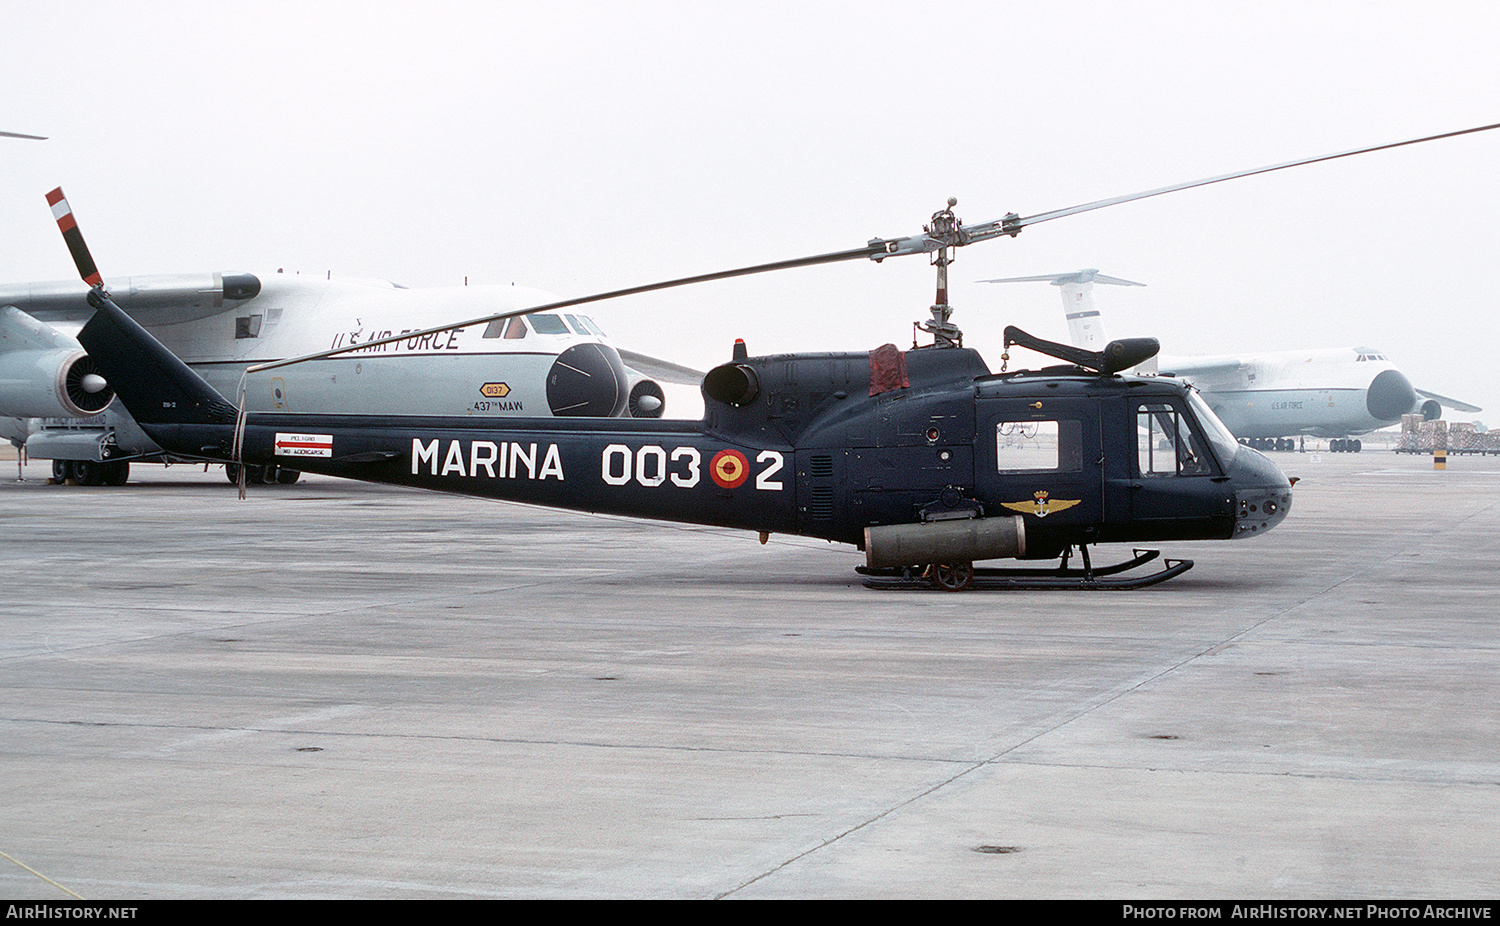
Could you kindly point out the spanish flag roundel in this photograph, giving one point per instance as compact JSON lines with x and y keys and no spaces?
{"x":729,"y":468}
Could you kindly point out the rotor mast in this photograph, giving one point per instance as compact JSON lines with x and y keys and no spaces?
{"x":941,"y":238}
{"x":945,"y":227}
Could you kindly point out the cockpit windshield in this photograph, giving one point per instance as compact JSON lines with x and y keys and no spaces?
{"x":547,"y":323}
{"x":1224,"y":442}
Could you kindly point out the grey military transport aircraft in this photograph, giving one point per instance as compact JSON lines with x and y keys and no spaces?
{"x":545,"y":363}
{"x":1269,"y":399}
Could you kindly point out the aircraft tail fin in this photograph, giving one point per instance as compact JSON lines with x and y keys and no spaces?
{"x":154,"y":384}
{"x":1085,"y":326}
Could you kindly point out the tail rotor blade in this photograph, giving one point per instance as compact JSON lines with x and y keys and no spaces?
{"x":69,"y":228}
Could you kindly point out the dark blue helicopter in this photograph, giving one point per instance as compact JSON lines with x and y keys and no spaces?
{"x":924,"y":459}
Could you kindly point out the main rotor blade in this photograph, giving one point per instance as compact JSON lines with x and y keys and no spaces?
{"x":19,"y":135}
{"x":880,"y":248}
{"x":829,"y":258}
{"x":1116,"y":200}
{"x":74,"y":238}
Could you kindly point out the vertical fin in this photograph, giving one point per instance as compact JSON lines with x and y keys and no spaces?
{"x":1085,"y":326}
{"x":155,"y":386}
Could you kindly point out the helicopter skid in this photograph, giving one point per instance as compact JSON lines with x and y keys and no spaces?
{"x":1102,"y":578}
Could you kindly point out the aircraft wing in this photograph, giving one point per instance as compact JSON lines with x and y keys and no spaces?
{"x":1454,"y":404}
{"x":44,"y":372}
{"x":1200,"y":366}
{"x":150,"y":300}
{"x":662,"y":370}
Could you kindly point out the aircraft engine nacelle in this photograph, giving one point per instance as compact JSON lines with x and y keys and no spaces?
{"x":1389,"y":395}
{"x":647,"y":400}
{"x":1431,"y":410}
{"x":58,"y":382}
{"x":587,"y":381}
{"x":949,"y":542}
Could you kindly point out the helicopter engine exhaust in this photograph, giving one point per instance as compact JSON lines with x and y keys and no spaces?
{"x":946,"y":542}
{"x":733,"y":384}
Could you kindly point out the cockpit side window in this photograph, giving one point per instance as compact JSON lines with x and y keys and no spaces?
{"x":511,"y":329}
{"x":1167,"y":443}
{"x":1054,"y":446}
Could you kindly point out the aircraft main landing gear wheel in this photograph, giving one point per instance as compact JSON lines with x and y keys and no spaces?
{"x":91,"y":472}
{"x":116,"y":473}
{"x":952,"y":577}
{"x":88,"y":472}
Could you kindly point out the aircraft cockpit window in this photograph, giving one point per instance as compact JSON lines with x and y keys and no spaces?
{"x":1167,"y":443}
{"x":510,"y":329}
{"x":577,"y":326}
{"x":545,"y":323}
{"x":247,"y":326}
{"x":1219,"y":435}
{"x":591,"y":326}
{"x":1039,"y":446}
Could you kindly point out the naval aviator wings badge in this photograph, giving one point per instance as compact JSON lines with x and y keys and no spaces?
{"x":1041,"y":506}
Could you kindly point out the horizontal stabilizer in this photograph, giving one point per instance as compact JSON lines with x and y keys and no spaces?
{"x":1077,"y":276}
{"x":1085,"y":327}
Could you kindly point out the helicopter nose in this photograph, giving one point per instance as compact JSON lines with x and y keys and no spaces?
{"x":1262,"y":495}
{"x":1259,"y":510}
{"x":1390,"y":396}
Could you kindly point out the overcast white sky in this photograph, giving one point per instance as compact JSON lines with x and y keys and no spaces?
{"x":586,"y":146}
